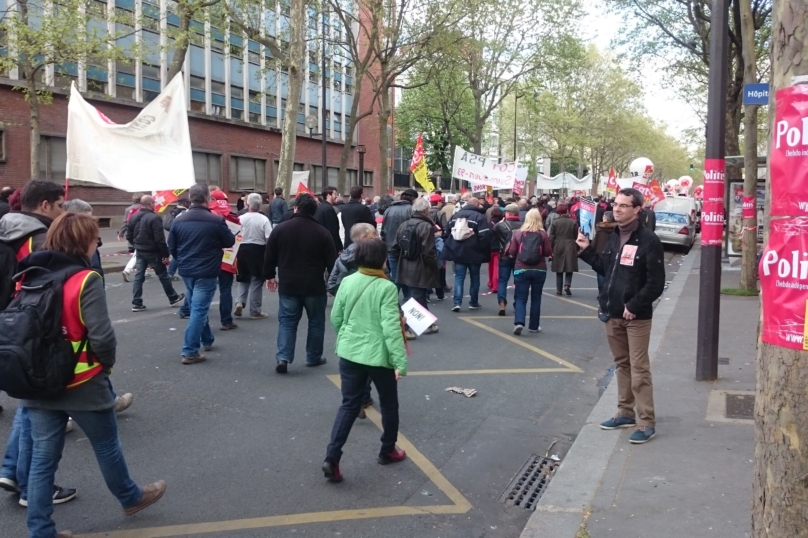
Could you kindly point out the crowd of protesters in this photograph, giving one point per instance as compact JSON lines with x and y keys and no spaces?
{"x":370,"y":255}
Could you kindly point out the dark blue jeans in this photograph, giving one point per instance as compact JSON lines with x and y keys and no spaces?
{"x":392,"y":264}
{"x":460,"y":281}
{"x":528,"y":283}
{"x":199,"y":294}
{"x":290,"y":310}
{"x":354,"y":377}
{"x":151,"y":260}
{"x":505,"y":269}
{"x":48,"y":433}
{"x":226,"y":297}
{"x":17,"y":459}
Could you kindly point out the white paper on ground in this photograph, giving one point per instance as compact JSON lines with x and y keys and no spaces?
{"x":418,"y":318}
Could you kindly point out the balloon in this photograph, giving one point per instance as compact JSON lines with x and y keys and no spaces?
{"x":672,"y":186}
{"x":641,"y":169}
{"x":698,"y":192}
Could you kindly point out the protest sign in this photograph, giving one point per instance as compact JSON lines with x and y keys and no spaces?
{"x":586,"y":216}
{"x":784,"y":284}
{"x":150,"y":153}
{"x":483,"y":170}
{"x":418,"y":318}
{"x":418,"y":166}
{"x":789,"y":153}
{"x":298,"y":178}
{"x":477,"y":187}
{"x":162,"y":199}
{"x":521,"y":180}
{"x":712,"y":213}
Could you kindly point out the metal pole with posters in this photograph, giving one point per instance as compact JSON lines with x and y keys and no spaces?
{"x":324,"y":81}
{"x":713,"y":211}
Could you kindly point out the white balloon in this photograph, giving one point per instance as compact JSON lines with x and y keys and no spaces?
{"x":641,"y":170}
{"x":686,"y":182}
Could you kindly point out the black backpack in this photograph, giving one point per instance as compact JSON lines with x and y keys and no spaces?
{"x":36,"y":362}
{"x":530,"y":248}
{"x":8,"y":267}
{"x":409,"y":242}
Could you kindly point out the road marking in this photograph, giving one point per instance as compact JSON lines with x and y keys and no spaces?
{"x":554,"y":296}
{"x":460,"y":505}
{"x":151,"y":316}
{"x":492,"y":372}
{"x":543,"y":317}
{"x":586,"y":275}
{"x":522,"y":343}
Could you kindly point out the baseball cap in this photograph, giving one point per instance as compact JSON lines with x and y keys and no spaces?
{"x":435,"y":198}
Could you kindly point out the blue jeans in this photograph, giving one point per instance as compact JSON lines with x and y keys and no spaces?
{"x":226,"y":297}
{"x":153,"y":261}
{"x":460,"y":280}
{"x":199,"y":293}
{"x":17,"y":459}
{"x":392,"y":264}
{"x":354,"y":377}
{"x":505,"y":269}
{"x":48,"y":433}
{"x":290,"y":310}
{"x":528,"y":283}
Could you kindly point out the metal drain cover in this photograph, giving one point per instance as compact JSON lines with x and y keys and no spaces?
{"x":529,"y":484}
{"x":741,"y":406}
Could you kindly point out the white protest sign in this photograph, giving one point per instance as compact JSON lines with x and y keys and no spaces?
{"x":418,"y":318}
{"x":477,"y":187}
{"x":150,"y":153}
{"x":477,"y":169}
{"x":297,"y":178}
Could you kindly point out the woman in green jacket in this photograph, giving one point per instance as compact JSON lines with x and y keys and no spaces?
{"x":370,"y":344}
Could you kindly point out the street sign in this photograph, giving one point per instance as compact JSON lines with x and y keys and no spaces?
{"x":756,"y":94}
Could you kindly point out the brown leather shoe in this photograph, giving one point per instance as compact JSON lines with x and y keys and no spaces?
{"x":502,"y":308}
{"x":64,"y":534}
{"x":151,"y":494}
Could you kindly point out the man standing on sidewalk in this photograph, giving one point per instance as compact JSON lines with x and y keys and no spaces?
{"x":145,"y":233}
{"x":197,"y":240}
{"x":633,"y":267}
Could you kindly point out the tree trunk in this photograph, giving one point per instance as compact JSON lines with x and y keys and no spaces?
{"x":297,"y":46}
{"x":178,"y":58}
{"x":385,"y":182}
{"x":780,"y":483}
{"x":749,"y":245}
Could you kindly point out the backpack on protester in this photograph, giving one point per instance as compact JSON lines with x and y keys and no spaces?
{"x":409,"y":243}
{"x":461,"y":230}
{"x":530,"y":248}
{"x":36,"y":362}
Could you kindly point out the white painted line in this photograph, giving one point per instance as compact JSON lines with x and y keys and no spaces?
{"x":151,"y":316}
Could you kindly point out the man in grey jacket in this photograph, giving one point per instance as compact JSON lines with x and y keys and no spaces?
{"x":398,"y":213}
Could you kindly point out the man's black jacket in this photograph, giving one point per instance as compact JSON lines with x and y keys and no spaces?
{"x":630,"y":282}
{"x":145,"y":233}
{"x":352,"y":213}
{"x":327,"y":216}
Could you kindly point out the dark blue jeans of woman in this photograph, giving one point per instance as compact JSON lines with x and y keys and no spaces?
{"x":528,"y":284}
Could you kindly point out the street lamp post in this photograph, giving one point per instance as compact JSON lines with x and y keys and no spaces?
{"x":325,"y":100}
{"x":360,"y":149}
{"x":516,"y":98}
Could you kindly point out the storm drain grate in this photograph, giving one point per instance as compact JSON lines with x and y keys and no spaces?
{"x":529,"y":484}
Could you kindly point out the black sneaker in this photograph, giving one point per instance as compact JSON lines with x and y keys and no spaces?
{"x":180,"y":298}
{"x":60,"y":496}
{"x":138,"y":308}
{"x":281,"y":367}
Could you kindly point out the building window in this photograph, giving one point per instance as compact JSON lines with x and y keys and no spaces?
{"x":333,"y":176}
{"x":353,"y":177}
{"x":368,"y":179}
{"x":247,"y":174}
{"x":207,"y":167}
{"x":2,"y":146}
{"x":52,"y":157}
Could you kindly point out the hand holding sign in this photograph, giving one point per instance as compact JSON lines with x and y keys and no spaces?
{"x":582,"y":242}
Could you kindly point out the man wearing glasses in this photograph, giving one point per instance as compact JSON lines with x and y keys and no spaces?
{"x":633,"y":267}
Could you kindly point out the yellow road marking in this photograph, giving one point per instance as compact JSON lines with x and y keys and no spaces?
{"x":522,"y":343}
{"x":554,"y":296}
{"x":491,"y":372}
{"x":460,"y":505}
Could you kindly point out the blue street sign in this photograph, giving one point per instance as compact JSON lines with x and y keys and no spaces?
{"x":756,"y":94}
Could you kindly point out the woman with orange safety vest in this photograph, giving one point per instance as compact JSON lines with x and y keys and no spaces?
{"x":69,"y":246}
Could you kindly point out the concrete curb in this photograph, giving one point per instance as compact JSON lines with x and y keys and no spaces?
{"x":561,"y":509}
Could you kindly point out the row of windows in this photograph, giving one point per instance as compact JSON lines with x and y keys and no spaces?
{"x":245,"y":173}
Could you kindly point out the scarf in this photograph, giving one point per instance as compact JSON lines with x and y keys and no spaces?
{"x":379,"y":273}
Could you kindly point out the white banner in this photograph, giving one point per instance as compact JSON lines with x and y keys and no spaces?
{"x":298,"y":178}
{"x":477,"y":187}
{"x":564,"y":181}
{"x":477,"y":169}
{"x":150,"y":153}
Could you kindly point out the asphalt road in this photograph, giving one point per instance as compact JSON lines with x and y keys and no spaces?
{"x":241,"y":446}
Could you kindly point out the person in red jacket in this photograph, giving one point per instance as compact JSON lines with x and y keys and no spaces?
{"x":221,"y":206}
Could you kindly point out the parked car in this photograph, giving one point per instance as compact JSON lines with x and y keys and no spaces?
{"x":682,"y":204}
{"x":675,"y":228}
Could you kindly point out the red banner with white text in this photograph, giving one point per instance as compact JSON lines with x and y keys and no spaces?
{"x":789,"y":153}
{"x":712,"y":212}
{"x":784,"y":284}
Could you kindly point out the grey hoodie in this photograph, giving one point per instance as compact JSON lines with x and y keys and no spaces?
{"x":17,"y":226}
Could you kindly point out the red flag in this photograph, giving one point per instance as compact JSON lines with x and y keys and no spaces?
{"x":162,"y":199}
{"x":418,"y":154}
{"x":656,"y":189}
{"x":611,"y":185}
{"x":463,"y":189}
{"x":301,"y":188}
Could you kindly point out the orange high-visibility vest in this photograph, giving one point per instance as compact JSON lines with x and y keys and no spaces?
{"x":74,"y":329}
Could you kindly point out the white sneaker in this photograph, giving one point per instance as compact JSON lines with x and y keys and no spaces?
{"x":9,"y":485}
{"x":535,"y":330}
{"x":70,"y":425}
{"x":125,"y":276}
{"x":122,"y":403}
{"x":518,"y":329}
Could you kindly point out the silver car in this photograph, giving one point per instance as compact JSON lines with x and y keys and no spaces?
{"x":675,"y":229}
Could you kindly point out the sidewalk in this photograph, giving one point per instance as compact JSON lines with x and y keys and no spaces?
{"x":695,"y":477}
